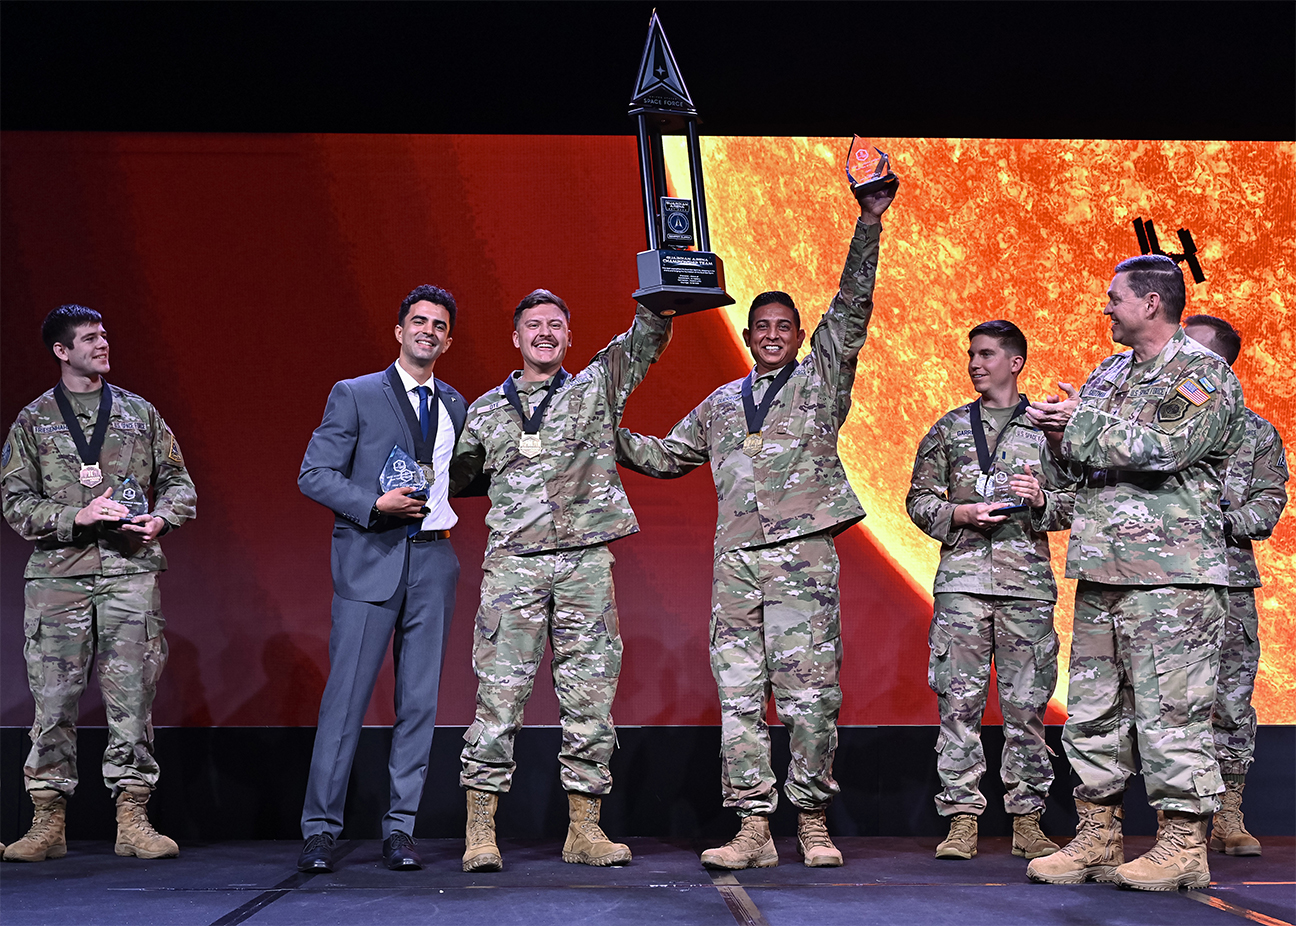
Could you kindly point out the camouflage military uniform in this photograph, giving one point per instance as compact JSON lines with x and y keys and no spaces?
{"x":1147,"y":544}
{"x":92,"y":592}
{"x":775,"y":621}
{"x":548,"y":571}
{"x":1255,"y":488}
{"x":994,"y":596}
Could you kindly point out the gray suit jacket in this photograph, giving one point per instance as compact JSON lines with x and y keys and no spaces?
{"x":346,"y":454}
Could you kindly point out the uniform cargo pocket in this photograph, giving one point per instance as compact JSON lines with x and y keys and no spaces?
{"x":488,"y":621}
{"x":939,"y":668}
{"x":1185,"y":682}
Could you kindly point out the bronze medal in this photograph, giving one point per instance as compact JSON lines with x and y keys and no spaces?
{"x":752,"y":444}
{"x":530,"y":445}
{"x":90,"y":476}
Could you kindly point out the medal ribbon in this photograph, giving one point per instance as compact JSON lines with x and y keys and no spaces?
{"x":756,"y":416}
{"x":531,"y":425}
{"x":89,"y":453}
{"x":984,"y":459}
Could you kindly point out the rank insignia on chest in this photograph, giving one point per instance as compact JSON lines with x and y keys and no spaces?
{"x":1191,"y":390}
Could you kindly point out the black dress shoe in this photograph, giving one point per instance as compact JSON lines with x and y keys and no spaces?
{"x":399,"y":854}
{"x":317,"y":855}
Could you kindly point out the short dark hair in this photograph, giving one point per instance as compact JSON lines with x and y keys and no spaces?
{"x":773,"y":295}
{"x":540,"y":297}
{"x":1156,"y":273}
{"x":61,"y":324}
{"x":428,"y":293}
{"x":1226,"y":337}
{"x":1008,"y":335}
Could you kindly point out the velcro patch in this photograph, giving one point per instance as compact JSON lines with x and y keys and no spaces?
{"x":6,"y":455}
{"x":1172,"y":409}
{"x":174,"y":453}
{"x":1191,"y":390}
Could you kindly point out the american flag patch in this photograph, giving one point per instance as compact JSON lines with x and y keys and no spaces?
{"x":1193,"y":392}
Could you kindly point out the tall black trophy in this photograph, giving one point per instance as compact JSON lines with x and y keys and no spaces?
{"x":673,"y":280}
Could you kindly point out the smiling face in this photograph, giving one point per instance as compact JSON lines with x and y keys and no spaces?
{"x":424,"y":336}
{"x":543,"y":336}
{"x":991,"y":368}
{"x":87,"y":355}
{"x":773,"y":337}
{"x":1129,"y":313}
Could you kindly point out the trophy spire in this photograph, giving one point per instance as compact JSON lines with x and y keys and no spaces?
{"x":660,"y":86}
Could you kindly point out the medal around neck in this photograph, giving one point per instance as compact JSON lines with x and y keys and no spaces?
{"x":90,"y":476}
{"x":868,"y":168}
{"x":133,"y":498}
{"x":402,"y":471}
{"x":529,"y":444}
{"x":752,"y":444}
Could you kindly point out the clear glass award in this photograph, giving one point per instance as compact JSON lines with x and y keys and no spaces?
{"x":401,"y":471}
{"x":1002,"y":496}
{"x":868,"y":167}
{"x":132,"y":497}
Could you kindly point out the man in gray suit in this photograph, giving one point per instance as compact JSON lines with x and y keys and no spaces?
{"x":394,"y":572}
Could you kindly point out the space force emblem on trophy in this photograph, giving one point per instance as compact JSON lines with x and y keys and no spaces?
{"x":675,"y":277}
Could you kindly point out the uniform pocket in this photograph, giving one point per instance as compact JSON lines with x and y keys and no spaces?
{"x":1185,"y":681}
{"x":473,"y":733}
{"x":1045,"y":654}
{"x":488,"y":621}
{"x":939,"y":669}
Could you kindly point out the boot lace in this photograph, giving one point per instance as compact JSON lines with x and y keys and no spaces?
{"x":1027,"y":827}
{"x":1229,"y":817}
{"x":813,"y":831}
{"x":479,"y":824}
{"x":43,"y":826}
{"x":589,"y":826}
{"x":1172,"y":840}
{"x":749,"y":837}
{"x":963,"y":827}
{"x":319,"y":841}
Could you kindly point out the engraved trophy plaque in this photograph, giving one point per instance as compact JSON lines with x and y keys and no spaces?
{"x":673,"y":279}
{"x":132,"y":497}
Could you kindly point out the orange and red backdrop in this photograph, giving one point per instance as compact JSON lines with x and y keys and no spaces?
{"x":241,"y":275}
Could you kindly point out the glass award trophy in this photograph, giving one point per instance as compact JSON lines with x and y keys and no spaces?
{"x":1001,"y":494}
{"x":868,"y":168}
{"x":133,"y":498}
{"x":402,"y":470}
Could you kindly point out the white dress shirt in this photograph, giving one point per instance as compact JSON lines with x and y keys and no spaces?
{"x":440,"y":515}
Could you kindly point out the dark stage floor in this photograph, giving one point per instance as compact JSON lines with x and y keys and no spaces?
{"x":884,"y":881}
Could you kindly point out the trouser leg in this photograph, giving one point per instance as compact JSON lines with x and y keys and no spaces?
{"x":1100,"y":701}
{"x":1025,"y":660}
{"x":1170,"y":637}
{"x":1233,"y":719}
{"x":508,"y":644}
{"x":357,"y":647}
{"x":58,"y":626}
{"x":962,"y":643}
{"x":130,"y":654}
{"x":418,"y":650}
{"x":802,"y":626}
{"x":738,"y":663}
{"x":586,"y":642}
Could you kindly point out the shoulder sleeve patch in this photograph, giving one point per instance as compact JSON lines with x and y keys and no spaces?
{"x":174,"y":453}
{"x":1172,"y":409}
{"x":6,"y":455}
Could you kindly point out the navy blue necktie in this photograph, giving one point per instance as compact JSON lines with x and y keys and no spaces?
{"x":423,"y":410}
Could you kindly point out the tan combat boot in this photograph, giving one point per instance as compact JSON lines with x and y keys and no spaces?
{"x":813,"y":841}
{"x":1177,"y":860}
{"x":1093,"y":855}
{"x":1228,"y":833}
{"x":586,"y":843}
{"x":1029,"y":840}
{"x":753,"y":847}
{"x":962,"y":839}
{"x":135,"y":834}
{"x":481,"y":852}
{"x":45,"y":838}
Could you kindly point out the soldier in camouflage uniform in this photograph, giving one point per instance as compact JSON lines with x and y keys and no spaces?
{"x":92,"y":581}
{"x":1255,"y":494}
{"x":783,"y":494}
{"x":1149,"y":436}
{"x":546,"y":441}
{"x":994,"y":590}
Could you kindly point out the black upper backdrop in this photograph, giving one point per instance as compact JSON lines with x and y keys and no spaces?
{"x":979,"y":69}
